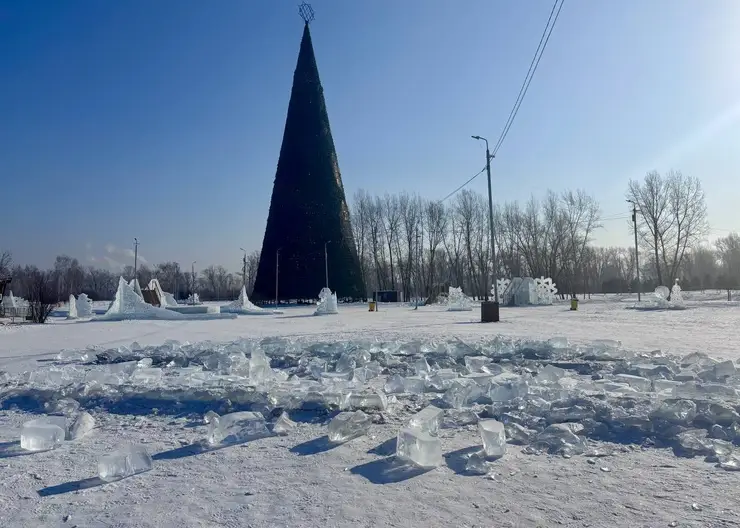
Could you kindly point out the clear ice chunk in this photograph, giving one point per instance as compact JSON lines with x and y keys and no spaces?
{"x":41,"y":435}
{"x":348,"y":425}
{"x":124,"y":462}
{"x":147,"y":376}
{"x":508,"y":391}
{"x":558,"y":342}
{"x":478,"y":364}
{"x":414,"y":385}
{"x":283,"y":425}
{"x":560,"y":438}
{"x":476,"y":464}
{"x":551,"y":374}
{"x":83,"y":425}
{"x":237,"y":427}
{"x":636,"y":382}
{"x":394,"y":384}
{"x":429,"y":420}
{"x":462,"y":394}
{"x":519,"y":434}
{"x":66,"y":406}
{"x":725,"y":369}
{"x":663,"y":385}
{"x":259,"y":367}
{"x":494,"y":437}
{"x":695,"y":442}
{"x":419,"y":447}
{"x":367,"y":400}
{"x":421,"y":367}
{"x":675,"y":411}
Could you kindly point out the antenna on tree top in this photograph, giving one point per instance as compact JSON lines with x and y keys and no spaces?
{"x":306,"y":12}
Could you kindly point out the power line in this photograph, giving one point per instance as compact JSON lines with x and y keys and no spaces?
{"x":463,"y":185}
{"x":544,"y":39}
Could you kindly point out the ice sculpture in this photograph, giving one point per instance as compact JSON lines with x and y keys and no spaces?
{"x":9,"y":300}
{"x":503,"y":284}
{"x":83,"y":305}
{"x":458,"y":301}
{"x":72,"y":307}
{"x":327,"y":303}
{"x":128,"y":305}
{"x":244,"y":306}
{"x":134,"y":283}
{"x":546,"y":290}
{"x":662,"y":292}
{"x":193,"y":298}
{"x":676,"y":295}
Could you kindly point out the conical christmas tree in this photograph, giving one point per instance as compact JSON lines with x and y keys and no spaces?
{"x":308,"y":212}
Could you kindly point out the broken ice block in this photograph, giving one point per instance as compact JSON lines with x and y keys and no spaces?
{"x":419,"y":447}
{"x":82,"y":426}
{"x":636,"y":382}
{"x":518,"y":434}
{"x":283,"y":425}
{"x":508,"y":391}
{"x":558,"y":342}
{"x":41,"y":435}
{"x":550,"y":374}
{"x":394,"y":384}
{"x":348,"y":425}
{"x":210,"y":416}
{"x":476,"y":464}
{"x":123,"y":463}
{"x":493,"y":436}
{"x":462,"y":394}
{"x":147,"y":376}
{"x":695,"y":442}
{"x":429,"y":420}
{"x":724,"y":369}
{"x":259,"y":367}
{"x":66,"y":406}
{"x":675,"y":411}
{"x":478,"y":364}
{"x":414,"y":385}
{"x":367,"y":400}
{"x":421,"y":367}
{"x":236,"y":427}
{"x":560,"y":438}
{"x":663,"y":385}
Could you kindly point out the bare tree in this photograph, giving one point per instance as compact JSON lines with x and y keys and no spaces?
{"x":673,"y":217}
{"x":6,"y":261}
{"x":391,"y":222}
{"x":41,"y":292}
{"x":435,"y":220}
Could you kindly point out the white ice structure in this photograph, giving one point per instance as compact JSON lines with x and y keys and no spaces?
{"x":165,"y":298}
{"x":134,"y":283}
{"x":457,"y":301}
{"x":84,"y":305}
{"x":244,"y":306}
{"x":9,"y":301}
{"x":546,"y":290}
{"x":72,"y":307}
{"x":503,"y":284}
{"x":658,"y":300}
{"x":128,"y":305}
{"x":327,"y":304}
{"x":193,"y":298}
{"x":526,"y":291}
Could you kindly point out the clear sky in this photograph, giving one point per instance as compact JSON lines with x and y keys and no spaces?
{"x":163,"y":120}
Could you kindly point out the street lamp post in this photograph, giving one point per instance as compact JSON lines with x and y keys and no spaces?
{"x":136,"y":254}
{"x":277,"y":270}
{"x":490,"y":310}
{"x":192,"y":279}
{"x":326,"y":262}
{"x":244,"y":267}
{"x":637,"y":252}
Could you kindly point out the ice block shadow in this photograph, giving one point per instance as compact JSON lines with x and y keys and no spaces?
{"x":67,"y":487}
{"x":387,"y":448}
{"x":456,"y":460}
{"x":314,"y":447}
{"x":13,"y":449}
{"x":388,"y":470}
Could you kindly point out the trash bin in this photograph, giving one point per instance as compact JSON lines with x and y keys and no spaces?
{"x":574,"y":304}
{"x":371,"y":306}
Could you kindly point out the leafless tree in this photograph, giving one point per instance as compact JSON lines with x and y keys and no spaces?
{"x":41,"y":291}
{"x":6,"y":261}
{"x":672,"y":217}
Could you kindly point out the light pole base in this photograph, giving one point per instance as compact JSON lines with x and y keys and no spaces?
{"x":489,"y":312}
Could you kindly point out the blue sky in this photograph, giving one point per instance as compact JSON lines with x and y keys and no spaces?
{"x":163,"y":120}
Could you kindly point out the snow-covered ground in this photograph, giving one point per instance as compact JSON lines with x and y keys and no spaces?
{"x":301,"y":480}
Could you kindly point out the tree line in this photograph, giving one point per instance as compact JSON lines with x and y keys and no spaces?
{"x":420,"y":247}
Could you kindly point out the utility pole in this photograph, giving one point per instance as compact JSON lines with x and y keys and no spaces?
{"x":494,"y":314}
{"x":244,"y":267}
{"x":192,"y":278}
{"x":326,"y":263}
{"x":136,"y":255}
{"x":637,"y":252}
{"x":277,"y":271}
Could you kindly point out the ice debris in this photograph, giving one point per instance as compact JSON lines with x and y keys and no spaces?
{"x":83,"y":424}
{"x":348,"y":425}
{"x":283,"y":425}
{"x":236,"y":427}
{"x":124,"y":462}
{"x":494,"y":437}
{"x":43,"y":434}
{"x":419,"y":447}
